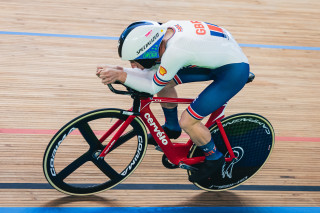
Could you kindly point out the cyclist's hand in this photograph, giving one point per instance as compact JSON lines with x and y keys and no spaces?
{"x":106,"y":66}
{"x":109,"y":74}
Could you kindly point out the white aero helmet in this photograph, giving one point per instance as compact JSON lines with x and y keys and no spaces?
{"x":140,"y":41}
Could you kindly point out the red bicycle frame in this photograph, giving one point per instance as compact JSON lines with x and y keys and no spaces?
{"x":176,"y":153}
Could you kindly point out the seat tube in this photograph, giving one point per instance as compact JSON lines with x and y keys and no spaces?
{"x":226,"y":141}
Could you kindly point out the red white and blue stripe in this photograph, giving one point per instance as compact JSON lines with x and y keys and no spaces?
{"x":194,"y":114}
{"x":177,"y":79}
{"x":158,"y":81}
{"x":215,"y":30}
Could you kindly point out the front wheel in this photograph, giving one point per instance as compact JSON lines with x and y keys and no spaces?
{"x":71,"y":164}
{"x":251,"y":137}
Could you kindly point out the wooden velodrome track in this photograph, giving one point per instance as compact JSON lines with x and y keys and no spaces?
{"x":48,"y":79}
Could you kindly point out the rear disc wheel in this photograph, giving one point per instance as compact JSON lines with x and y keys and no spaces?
{"x":251,"y":137}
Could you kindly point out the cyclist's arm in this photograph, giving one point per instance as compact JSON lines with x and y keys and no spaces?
{"x":138,"y":79}
{"x":153,"y":82}
{"x":139,"y":72}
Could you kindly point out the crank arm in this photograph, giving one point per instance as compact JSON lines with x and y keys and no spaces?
{"x":187,"y":167}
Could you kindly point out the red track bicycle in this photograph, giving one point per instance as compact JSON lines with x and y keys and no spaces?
{"x":99,"y":149}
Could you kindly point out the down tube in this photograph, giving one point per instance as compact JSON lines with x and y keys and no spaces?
{"x":158,"y":133}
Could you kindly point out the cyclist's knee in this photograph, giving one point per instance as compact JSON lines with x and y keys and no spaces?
{"x":187,"y":122}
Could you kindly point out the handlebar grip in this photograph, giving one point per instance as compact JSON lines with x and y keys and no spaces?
{"x":121,"y":92}
{"x":128,"y":92}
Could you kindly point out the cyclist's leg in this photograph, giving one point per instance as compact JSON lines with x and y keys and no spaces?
{"x":185,"y":75}
{"x":228,"y":81}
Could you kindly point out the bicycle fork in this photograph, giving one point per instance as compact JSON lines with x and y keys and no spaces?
{"x":116,"y":136}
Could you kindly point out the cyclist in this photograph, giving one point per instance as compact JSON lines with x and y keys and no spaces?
{"x":165,"y":55}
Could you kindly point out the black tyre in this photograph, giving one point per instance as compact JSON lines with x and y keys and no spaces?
{"x":70,"y":161}
{"x":251,"y":137}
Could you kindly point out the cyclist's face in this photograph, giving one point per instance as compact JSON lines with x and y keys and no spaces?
{"x":135,"y":64}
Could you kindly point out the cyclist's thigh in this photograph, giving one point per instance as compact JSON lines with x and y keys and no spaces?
{"x":228,"y":81}
{"x":193,"y":74}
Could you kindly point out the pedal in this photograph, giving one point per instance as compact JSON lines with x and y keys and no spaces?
{"x":187,"y":167}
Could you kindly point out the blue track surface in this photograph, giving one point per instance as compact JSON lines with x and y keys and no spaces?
{"x":159,"y":209}
{"x":116,"y":38}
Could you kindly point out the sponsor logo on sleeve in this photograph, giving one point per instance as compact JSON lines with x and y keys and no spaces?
{"x":162,"y":71}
